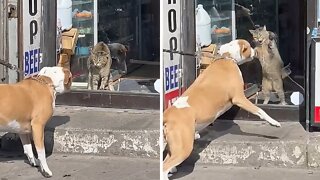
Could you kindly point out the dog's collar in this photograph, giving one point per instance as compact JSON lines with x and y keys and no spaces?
{"x":42,"y":81}
{"x":225,"y":57}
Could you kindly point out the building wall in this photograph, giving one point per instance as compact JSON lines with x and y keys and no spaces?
{"x":3,"y":40}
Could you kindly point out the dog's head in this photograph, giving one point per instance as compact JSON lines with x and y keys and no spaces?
{"x":239,"y":49}
{"x":61,"y":77}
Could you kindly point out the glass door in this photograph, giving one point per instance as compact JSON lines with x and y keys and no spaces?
{"x":84,"y":19}
{"x":284,"y":19}
{"x":221,"y":13}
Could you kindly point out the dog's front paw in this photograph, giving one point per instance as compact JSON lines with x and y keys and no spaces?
{"x":275,"y":123}
{"x":46,"y":172}
{"x":173,"y":170}
{"x":33,"y":162}
{"x":197,"y":136}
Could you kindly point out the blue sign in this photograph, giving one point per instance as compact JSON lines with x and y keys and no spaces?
{"x":31,"y":61}
{"x":171,"y":77}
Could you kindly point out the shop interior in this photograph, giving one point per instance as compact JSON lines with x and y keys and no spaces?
{"x":285,"y":18}
{"x":131,"y":31}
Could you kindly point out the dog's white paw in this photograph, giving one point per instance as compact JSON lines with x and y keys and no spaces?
{"x":166,"y":176}
{"x":46,"y":172}
{"x":173,"y":170}
{"x":33,"y":161}
{"x":275,"y":123}
{"x":197,"y":136}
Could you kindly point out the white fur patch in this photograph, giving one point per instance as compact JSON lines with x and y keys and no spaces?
{"x":43,"y":162}
{"x":233,"y":49}
{"x":181,"y":102}
{"x":57,"y":75}
{"x":29,"y":153}
{"x":12,"y":126}
{"x":265,"y":116}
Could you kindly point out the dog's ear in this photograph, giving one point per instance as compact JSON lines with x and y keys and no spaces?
{"x":43,"y":71}
{"x":251,"y":31}
{"x":244,"y":48}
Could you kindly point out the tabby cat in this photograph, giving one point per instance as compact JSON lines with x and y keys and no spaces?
{"x":272,"y":65}
{"x":99,"y":63}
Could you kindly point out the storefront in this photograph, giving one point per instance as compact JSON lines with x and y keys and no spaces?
{"x":288,"y":19}
{"x":133,"y":25}
{"x":30,"y":30}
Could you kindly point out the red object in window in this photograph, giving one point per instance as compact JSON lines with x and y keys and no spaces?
{"x":317,"y":114}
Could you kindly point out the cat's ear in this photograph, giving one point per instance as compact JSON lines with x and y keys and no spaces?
{"x":265,"y":27}
{"x":251,"y":31}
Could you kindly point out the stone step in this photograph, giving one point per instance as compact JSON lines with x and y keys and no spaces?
{"x":256,"y":143}
{"x":99,"y":131}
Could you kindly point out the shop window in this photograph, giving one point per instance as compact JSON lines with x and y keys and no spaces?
{"x":130,"y":29}
{"x":284,"y":18}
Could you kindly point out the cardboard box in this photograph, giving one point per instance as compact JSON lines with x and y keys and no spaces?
{"x":210,"y":49}
{"x":69,"y":41}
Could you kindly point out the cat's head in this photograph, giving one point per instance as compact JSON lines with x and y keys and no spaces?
{"x":100,"y":58}
{"x":262,"y":36}
{"x":239,"y":50}
{"x":100,"y":55}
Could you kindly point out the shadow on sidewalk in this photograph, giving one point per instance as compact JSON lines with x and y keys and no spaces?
{"x":211,"y":133}
{"x":12,"y":149}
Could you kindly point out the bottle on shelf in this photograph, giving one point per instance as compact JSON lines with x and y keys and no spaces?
{"x":203,"y":26}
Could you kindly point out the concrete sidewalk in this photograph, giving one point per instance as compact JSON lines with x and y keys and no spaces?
{"x":100,"y":131}
{"x":81,"y":167}
{"x":256,"y":143}
{"x":204,"y":172}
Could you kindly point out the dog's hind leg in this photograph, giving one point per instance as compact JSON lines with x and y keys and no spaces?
{"x":245,"y":104}
{"x":38,"y":138}
{"x":180,"y":145}
{"x":27,"y":148}
{"x":173,"y":169}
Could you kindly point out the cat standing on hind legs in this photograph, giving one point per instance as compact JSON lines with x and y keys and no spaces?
{"x":272,"y":65}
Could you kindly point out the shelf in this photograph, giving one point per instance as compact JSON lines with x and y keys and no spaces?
{"x":77,"y":3}
{"x":81,"y":19}
{"x":85,"y":30}
{"x":220,"y":19}
{"x":221,"y":35}
{"x":84,"y":34}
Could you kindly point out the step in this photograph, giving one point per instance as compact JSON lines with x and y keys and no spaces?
{"x":99,"y":131}
{"x":256,"y":143}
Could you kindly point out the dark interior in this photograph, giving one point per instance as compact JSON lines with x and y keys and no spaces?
{"x":286,"y":19}
{"x":135,"y":24}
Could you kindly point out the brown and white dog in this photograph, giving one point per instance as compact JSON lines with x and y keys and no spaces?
{"x":26,"y":107}
{"x":216,"y":90}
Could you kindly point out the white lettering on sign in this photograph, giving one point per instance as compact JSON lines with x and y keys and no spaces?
{"x":31,"y":36}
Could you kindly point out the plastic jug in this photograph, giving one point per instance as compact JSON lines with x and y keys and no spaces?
{"x":64,"y":14}
{"x":203,"y":26}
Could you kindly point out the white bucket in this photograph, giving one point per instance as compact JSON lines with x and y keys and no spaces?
{"x":64,"y":14}
{"x":203,"y":26}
